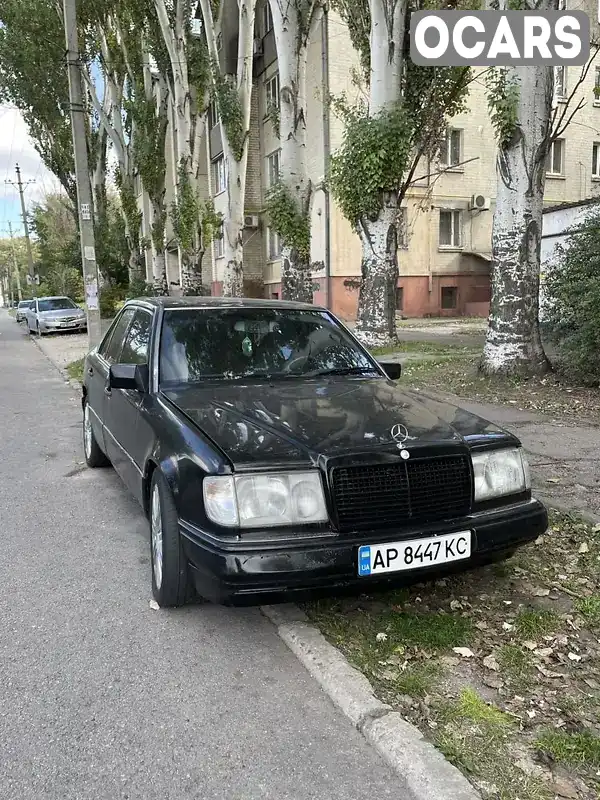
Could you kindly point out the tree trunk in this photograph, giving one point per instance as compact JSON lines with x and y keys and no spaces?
{"x":292,"y":47}
{"x":233,"y":227}
{"x":191,"y":275}
{"x":376,"y":321}
{"x":296,"y":276}
{"x":513,"y":344}
{"x":159,"y":272}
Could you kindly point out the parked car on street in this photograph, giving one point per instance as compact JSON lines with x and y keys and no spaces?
{"x":54,"y":314}
{"x":20,"y":314}
{"x":276,"y":458}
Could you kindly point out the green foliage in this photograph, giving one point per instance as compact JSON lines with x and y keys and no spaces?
{"x":129,"y":206}
{"x":288,"y":220}
{"x":110,"y":298}
{"x":34,"y":79}
{"x":185,"y":210}
{"x":357,"y":17}
{"x":275,"y":117}
{"x":139,"y":288}
{"x":503,"y":103}
{"x":230,"y":111}
{"x":572,"y":289}
{"x":371,"y":161}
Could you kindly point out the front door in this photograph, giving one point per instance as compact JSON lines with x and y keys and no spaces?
{"x":125,"y":442}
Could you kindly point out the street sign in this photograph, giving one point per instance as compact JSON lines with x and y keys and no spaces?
{"x":85,"y":211}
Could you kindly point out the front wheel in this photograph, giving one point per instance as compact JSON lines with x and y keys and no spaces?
{"x":171,"y":582}
{"x":94,"y":457}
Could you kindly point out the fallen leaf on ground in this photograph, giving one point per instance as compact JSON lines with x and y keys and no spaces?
{"x":381,"y":637}
{"x":584,"y":548}
{"x":493,"y":681}
{"x":548,"y":674}
{"x":574,"y":657}
{"x":540,"y":592}
{"x":482,"y":626}
{"x":154,"y":605}
{"x":450,"y":661}
{"x":490,"y":663}
{"x":544,"y":652}
{"x":530,"y":645}
{"x":563,"y":788}
{"x":463,"y":651}
{"x":456,"y":606}
{"x":507,"y":626}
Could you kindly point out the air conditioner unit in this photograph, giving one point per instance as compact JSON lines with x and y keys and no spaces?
{"x":479,"y":203}
{"x":251,"y":221}
{"x":257,"y":48}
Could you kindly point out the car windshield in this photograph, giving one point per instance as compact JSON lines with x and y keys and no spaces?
{"x":25,"y":304}
{"x":233,"y":344}
{"x":56,"y":304}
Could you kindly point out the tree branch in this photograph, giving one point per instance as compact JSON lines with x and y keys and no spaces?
{"x":559,"y":126}
{"x":166,"y":31}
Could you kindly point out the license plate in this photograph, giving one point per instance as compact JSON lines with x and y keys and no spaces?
{"x":375,"y":559}
{"x":68,"y":324}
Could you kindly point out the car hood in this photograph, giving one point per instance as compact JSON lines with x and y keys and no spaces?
{"x":324,"y":418}
{"x":61,"y":313}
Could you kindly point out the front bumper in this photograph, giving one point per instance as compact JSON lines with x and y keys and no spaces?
{"x":57,"y":327}
{"x":242,"y":573}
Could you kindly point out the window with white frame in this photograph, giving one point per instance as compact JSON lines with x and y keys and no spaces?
{"x":267,"y":18}
{"x":452,"y":147}
{"x":555,"y":160}
{"x":560,"y":83}
{"x":596,"y":160}
{"x":450,"y":228}
{"x":219,"y":246}
{"x":219,"y":176}
{"x":273,"y":168}
{"x":213,"y":114}
{"x":272,"y":93}
{"x":274,"y":245}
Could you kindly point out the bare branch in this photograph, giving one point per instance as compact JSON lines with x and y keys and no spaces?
{"x":558,"y":124}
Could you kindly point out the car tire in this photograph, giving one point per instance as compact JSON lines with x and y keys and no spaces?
{"x":38,"y":331}
{"x":171,"y":580}
{"x":94,"y":456}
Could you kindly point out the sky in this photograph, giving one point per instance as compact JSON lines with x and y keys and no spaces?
{"x":17,"y":148}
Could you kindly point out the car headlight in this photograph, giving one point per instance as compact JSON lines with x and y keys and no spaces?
{"x":500,"y":472}
{"x":265,"y":500}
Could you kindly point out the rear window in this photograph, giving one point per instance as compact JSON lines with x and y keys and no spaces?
{"x":25,"y":304}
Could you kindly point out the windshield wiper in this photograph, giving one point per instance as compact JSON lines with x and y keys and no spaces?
{"x":317,"y":373}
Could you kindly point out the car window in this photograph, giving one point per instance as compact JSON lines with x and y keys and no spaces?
{"x":135,"y":347}
{"x":56,"y":304}
{"x":232,"y":344}
{"x":114,"y":344}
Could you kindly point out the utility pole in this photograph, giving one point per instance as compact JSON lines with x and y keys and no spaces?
{"x":82,"y":175}
{"x":15,"y":264}
{"x":19,"y":185}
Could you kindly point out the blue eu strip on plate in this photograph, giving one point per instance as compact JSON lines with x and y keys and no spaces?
{"x":364,"y":560}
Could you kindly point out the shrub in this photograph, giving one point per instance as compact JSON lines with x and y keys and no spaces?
{"x":110,"y":297}
{"x":139,"y":288}
{"x":573,"y":302}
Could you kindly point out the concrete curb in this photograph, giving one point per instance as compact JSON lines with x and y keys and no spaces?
{"x":72,"y":382}
{"x":428,"y":775}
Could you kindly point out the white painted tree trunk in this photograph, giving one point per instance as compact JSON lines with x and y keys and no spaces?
{"x":513,"y":344}
{"x":376,"y":319}
{"x":292,"y":50}
{"x":235,"y":161}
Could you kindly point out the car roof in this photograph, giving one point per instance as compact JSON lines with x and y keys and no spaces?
{"x":223,"y":302}
{"x":54,"y":297}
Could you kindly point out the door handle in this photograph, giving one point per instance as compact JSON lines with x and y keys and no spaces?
{"x":107,"y":391}
{"x":90,"y":371}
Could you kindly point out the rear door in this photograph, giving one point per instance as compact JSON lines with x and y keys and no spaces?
{"x":128,"y":434}
{"x":97,"y":366}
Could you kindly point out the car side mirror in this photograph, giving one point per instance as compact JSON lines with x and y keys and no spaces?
{"x":392,"y":370}
{"x":132,"y":377}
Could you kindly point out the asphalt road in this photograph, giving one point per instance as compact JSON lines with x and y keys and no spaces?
{"x":103,"y":697}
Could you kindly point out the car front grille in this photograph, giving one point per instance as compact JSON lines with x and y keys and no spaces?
{"x":400,"y":494}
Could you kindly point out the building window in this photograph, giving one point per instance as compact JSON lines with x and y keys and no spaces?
{"x":213,"y":114}
{"x":267,"y":18}
{"x":451,"y":149}
{"x":596,"y":160}
{"x":451,"y":228}
{"x":555,"y":160}
{"x":272,"y":93}
{"x":399,"y":298}
{"x":449,"y":297}
{"x":273,"y":168}
{"x":274,"y":295}
{"x":219,"y":242}
{"x":560,"y":83}
{"x":274,"y":243}
{"x":219,"y":176}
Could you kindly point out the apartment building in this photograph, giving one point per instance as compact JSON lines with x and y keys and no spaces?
{"x":445,"y":246}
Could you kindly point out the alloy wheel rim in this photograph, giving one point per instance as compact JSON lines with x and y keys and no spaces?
{"x":157,"y":538}
{"x":87,"y":431}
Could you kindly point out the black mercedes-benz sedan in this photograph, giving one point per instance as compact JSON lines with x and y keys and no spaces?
{"x":277,"y":459}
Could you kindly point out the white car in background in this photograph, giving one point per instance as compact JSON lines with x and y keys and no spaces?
{"x":22,"y":308}
{"x":55,"y":314}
